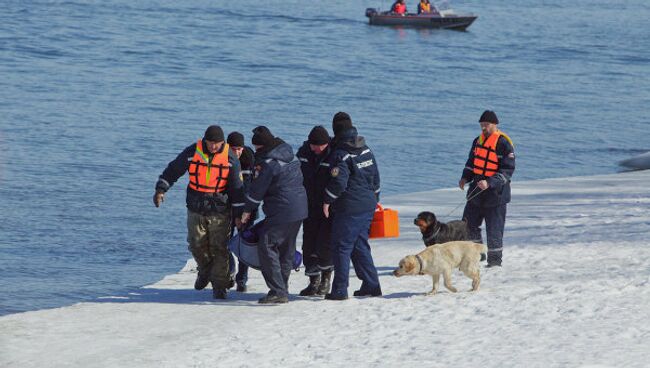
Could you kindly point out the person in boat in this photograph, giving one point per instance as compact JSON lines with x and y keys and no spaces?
{"x":399,"y":7}
{"x":424,"y":7}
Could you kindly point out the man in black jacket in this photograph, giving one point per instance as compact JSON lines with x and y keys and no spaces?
{"x":316,"y":228}
{"x":246,"y":157}
{"x":277,"y":181}
{"x":489,"y":168}
{"x":351,"y":195}
{"x":214,"y":192}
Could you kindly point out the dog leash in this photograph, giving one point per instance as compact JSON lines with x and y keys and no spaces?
{"x":470,"y":196}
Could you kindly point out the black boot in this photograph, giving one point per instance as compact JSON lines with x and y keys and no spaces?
{"x":325,"y":279}
{"x":202,"y":280}
{"x":241,"y":287}
{"x":219,"y":293}
{"x":312,"y":288}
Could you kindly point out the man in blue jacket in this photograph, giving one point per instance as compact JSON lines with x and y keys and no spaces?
{"x":277,"y":181}
{"x":351,"y":198}
{"x":316,"y":229}
{"x":214,"y":196}
{"x":489,"y":168}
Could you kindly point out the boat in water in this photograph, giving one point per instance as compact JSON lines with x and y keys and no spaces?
{"x":441,"y":16}
{"x":639,"y":162}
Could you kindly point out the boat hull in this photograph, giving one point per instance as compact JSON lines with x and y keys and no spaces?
{"x":457,"y":22}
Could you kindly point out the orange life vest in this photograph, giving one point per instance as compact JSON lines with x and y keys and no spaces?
{"x":425,"y":8}
{"x":209,"y":176}
{"x":399,"y":8}
{"x":486,"y":161}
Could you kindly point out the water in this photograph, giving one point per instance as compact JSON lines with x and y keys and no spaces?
{"x":97,"y":96}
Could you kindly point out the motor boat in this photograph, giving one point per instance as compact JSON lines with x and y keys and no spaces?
{"x":441,"y":16}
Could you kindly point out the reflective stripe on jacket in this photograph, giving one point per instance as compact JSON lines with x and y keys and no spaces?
{"x":209,"y":176}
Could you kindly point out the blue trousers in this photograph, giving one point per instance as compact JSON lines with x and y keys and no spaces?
{"x":350,"y":242}
{"x":277,"y":249}
{"x":495,"y":221}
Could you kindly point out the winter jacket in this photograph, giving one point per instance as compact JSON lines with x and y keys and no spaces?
{"x":277,"y":181}
{"x":316,"y":173}
{"x":499,"y":191}
{"x":205,"y":203}
{"x":354,"y":176}
{"x":247,"y":162}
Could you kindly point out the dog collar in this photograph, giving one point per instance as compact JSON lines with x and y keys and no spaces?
{"x":432,"y":237}
{"x":421,"y":264}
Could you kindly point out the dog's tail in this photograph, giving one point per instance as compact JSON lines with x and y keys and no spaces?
{"x":481,"y":247}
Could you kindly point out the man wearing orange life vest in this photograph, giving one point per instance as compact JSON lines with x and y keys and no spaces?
{"x":489,"y":170}
{"x":214,"y":196}
{"x":399,"y":7}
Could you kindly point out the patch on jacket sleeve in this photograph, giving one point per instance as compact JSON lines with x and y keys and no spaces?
{"x":511,"y":155}
{"x":334,"y":172}
{"x":257,"y":170}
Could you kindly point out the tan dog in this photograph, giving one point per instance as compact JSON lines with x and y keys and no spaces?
{"x":442,"y":259}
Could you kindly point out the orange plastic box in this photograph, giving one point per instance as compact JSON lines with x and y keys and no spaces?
{"x":385,"y":223}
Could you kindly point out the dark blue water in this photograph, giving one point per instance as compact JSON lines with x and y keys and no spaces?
{"x":97,"y":96}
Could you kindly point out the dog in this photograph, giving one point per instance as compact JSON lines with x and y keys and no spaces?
{"x":436,"y":232}
{"x":441,"y":259}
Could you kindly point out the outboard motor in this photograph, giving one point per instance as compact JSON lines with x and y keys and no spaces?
{"x":371,"y":12}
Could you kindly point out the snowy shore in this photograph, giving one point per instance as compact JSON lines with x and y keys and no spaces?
{"x":574,"y":292}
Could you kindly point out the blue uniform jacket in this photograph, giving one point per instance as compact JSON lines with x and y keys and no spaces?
{"x":277,"y":181}
{"x":200,"y":202}
{"x":354,"y":176}
{"x":316,"y":174}
{"x":499,"y":191}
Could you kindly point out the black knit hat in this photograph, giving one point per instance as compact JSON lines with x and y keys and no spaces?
{"x":489,"y":116}
{"x":341,"y":122}
{"x":319,"y":136}
{"x":262,"y":136}
{"x":214,"y":133}
{"x":236,"y":139}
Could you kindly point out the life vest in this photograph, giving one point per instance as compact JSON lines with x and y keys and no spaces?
{"x":486,"y":161}
{"x":425,"y":8}
{"x":209,"y":176}
{"x":399,"y":8}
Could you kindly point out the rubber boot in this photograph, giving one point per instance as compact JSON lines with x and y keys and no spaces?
{"x":312,"y":288}
{"x":324,"y":286}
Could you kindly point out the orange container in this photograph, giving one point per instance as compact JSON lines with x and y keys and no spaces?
{"x":385,"y":223}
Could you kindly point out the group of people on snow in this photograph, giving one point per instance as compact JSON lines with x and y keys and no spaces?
{"x":330,"y":187}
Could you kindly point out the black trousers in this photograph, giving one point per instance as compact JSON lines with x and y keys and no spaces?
{"x":316,"y":238}
{"x":495,"y":221}
{"x":277,"y":249}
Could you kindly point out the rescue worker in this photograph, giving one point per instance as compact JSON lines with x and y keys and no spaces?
{"x":277,"y":181}
{"x":489,"y":170}
{"x":424,"y":7}
{"x":246,"y":160}
{"x":316,"y":228}
{"x":399,"y":7}
{"x":214,"y":192}
{"x":351,"y":197}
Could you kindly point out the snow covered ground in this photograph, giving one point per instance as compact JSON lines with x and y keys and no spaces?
{"x":574,"y":291}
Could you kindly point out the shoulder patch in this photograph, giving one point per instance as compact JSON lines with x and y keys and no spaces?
{"x":334,"y":172}
{"x":511,"y":155}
